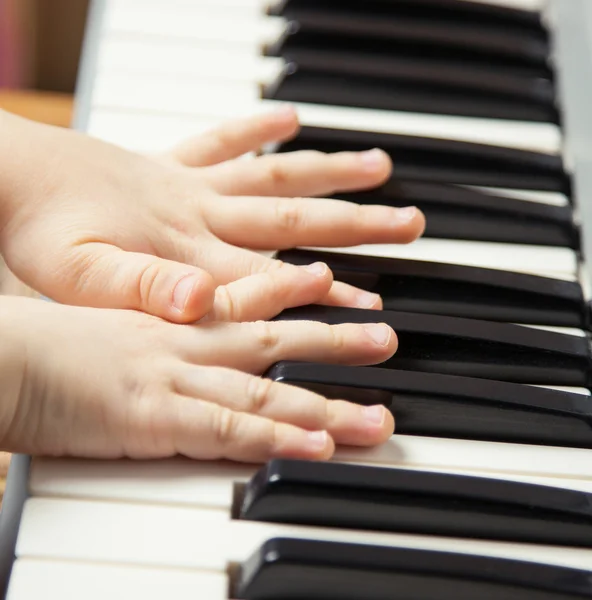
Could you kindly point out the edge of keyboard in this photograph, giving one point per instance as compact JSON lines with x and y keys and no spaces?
{"x":573,"y":50}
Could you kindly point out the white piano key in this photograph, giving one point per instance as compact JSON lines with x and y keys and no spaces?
{"x":178,"y":537}
{"x":537,"y":260}
{"x":187,"y":59}
{"x":147,"y":133}
{"x":563,"y":330}
{"x":248,"y":28}
{"x":181,"y":482}
{"x":61,"y":580}
{"x":551,"y":198}
{"x":562,"y":388}
{"x":216,"y":98}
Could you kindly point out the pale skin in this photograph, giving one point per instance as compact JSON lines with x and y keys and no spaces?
{"x":170,"y":239}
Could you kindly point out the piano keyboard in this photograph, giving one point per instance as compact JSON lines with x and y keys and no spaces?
{"x":485,"y":488}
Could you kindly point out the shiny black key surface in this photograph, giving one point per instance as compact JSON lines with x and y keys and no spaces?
{"x":472,"y":348}
{"x":443,"y":161}
{"x":300,"y":569}
{"x":441,"y":27}
{"x":448,"y":406}
{"x":455,"y":212}
{"x":456,"y":9}
{"x":457,"y":290}
{"x":362,"y":91}
{"x":435,"y":72}
{"x":417,"y":502}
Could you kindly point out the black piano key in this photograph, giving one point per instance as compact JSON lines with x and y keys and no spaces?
{"x":444,"y":161}
{"x":300,"y":569}
{"x":365,"y":92}
{"x":468,"y":347}
{"x":457,"y":290}
{"x":413,"y":23}
{"x":437,"y":73}
{"x":447,"y":406}
{"x":454,"y":212}
{"x":417,"y":502}
{"x":491,"y":14}
{"x":302,"y":47}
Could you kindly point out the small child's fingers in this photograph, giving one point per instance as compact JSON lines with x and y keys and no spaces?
{"x":253,"y":347}
{"x":205,"y":430}
{"x":346,"y":423}
{"x":265,"y":295}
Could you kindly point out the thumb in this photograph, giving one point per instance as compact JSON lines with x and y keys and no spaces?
{"x":113,"y":278}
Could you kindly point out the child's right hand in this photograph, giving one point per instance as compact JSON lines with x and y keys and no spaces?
{"x":109,"y":383}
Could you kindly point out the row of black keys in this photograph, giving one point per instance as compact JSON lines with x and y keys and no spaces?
{"x":453,"y":57}
{"x":428,"y":173}
{"x":392,"y":500}
{"x":453,"y":330}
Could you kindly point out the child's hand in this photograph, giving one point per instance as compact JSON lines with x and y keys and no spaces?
{"x":87,"y":223}
{"x":108,"y":383}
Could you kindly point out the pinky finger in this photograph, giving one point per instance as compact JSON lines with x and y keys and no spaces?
{"x":206,"y":431}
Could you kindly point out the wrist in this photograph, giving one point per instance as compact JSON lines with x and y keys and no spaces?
{"x":21,"y":170}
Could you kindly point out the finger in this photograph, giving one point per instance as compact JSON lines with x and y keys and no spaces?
{"x":303,"y":173}
{"x":346,"y":423}
{"x":254,"y":347}
{"x":343,"y":294}
{"x":265,"y":295}
{"x":231,"y":263}
{"x":237,"y":137}
{"x":107,"y":277}
{"x":206,"y":431}
{"x":281,"y":223}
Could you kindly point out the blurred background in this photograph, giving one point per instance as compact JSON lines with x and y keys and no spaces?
{"x":40,"y":44}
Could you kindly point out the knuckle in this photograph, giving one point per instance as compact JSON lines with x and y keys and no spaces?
{"x":276,"y":173}
{"x":266,"y":336}
{"x":147,"y":281}
{"x":226,"y":307}
{"x":223,"y":137}
{"x":335,"y":337}
{"x":276,"y":266}
{"x":259,"y":392}
{"x":289,"y":216}
{"x":224,"y":426}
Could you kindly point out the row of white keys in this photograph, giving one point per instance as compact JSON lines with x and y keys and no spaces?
{"x":73,"y":580}
{"x":164,"y":536}
{"x":245,"y":35}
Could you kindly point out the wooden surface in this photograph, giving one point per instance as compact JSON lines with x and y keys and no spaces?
{"x":54,"y":109}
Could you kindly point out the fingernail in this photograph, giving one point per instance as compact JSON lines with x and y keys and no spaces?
{"x":373,"y":159}
{"x":319,"y":269}
{"x":367,"y":300}
{"x":380,"y":333}
{"x":317,"y":440}
{"x":407,"y":214}
{"x":183,"y":291}
{"x":374,"y":414}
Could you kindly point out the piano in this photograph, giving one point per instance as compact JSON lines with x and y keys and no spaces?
{"x":485,"y":489}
